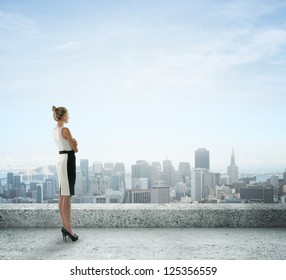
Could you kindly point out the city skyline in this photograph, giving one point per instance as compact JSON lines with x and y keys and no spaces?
{"x":147,"y":183}
{"x":145,"y":80}
{"x":93,"y":164}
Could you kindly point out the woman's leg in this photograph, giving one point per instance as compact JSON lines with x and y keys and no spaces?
{"x":61,"y":209}
{"x":66,"y":210}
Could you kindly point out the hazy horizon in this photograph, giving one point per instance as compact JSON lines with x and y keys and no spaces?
{"x":146,"y":80}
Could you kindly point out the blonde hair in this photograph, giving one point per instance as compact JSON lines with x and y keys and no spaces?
{"x":59,"y":112}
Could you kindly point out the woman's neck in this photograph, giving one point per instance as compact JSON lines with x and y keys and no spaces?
{"x":61,"y":123}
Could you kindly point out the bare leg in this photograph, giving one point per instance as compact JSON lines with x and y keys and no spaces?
{"x":61,"y":209}
{"x":66,"y":210}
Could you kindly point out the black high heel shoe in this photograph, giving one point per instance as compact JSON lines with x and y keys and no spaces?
{"x":65,"y":233}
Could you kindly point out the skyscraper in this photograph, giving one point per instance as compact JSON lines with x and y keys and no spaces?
{"x":84,"y":167}
{"x":119,"y":167}
{"x":10,"y":179}
{"x":39,"y":193}
{"x":97,"y":168}
{"x":140,"y":170}
{"x":169,"y":175}
{"x":155,"y":173}
{"x":185,"y":171}
{"x":202,"y":158}
{"x":232,"y":170}
{"x":116,"y":182}
{"x":197,"y":184}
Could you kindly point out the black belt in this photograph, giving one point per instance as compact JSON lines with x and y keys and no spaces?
{"x":66,"y":152}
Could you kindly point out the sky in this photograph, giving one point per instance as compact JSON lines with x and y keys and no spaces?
{"x":145,"y":80}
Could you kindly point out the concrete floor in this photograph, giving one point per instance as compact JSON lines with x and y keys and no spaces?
{"x":144,"y":244}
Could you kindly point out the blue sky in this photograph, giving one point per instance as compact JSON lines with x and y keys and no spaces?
{"x":145,"y":80}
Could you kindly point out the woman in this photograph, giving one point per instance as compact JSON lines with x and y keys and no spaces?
{"x":66,"y":168}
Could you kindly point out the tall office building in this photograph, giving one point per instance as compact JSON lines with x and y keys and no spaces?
{"x":232,"y":170}
{"x":140,"y":170}
{"x":197,"y":184}
{"x":274,"y":182}
{"x":84,"y":168}
{"x":140,"y":184}
{"x":109,"y":165}
{"x":10,"y":179}
{"x":202,"y":158}
{"x":39,"y":193}
{"x":79,"y":183}
{"x":97,"y":168}
{"x":17,"y":181}
{"x":167,"y":163}
{"x":116,"y":182}
{"x":210,"y":182}
{"x":169,"y":176}
{"x":155,"y":173}
{"x":185,"y":171}
{"x":50,"y":186}
{"x":119,"y":168}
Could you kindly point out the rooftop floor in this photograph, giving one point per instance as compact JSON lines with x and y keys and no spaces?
{"x":144,"y":244}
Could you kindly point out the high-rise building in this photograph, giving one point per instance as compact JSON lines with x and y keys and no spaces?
{"x":141,"y":170}
{"x":140,"y":183}
{"x":209,"y":182}
{"x":109,"y":165}
{"x":185,"y":171}
{"x":84,"y":167}
{"x":169,"y":175}
{"x":119,"y":168}
{"x":39,"y":193}
{"x":197,"y":184}
{"x":17,"y":181}
{"x":10,"y":179}
{"x":274,"y":183}
{"x":232,"y":170}
{"x":97,"y":168}
{"x":50,"y":188}
{"x":116,"y":182}
{"x":166,"y":163}
{"x":202,"y":158}
{"x":79,"y":183}
{"x":156,"y":173}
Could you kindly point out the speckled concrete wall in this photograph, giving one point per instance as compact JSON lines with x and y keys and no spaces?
{"x":146,"y":215}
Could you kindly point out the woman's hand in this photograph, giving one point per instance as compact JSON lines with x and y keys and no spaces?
{"x":67,"y":135}
{"x":75,"y":145}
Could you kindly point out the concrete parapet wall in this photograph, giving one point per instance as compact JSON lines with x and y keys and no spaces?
{"x":146,"y":215}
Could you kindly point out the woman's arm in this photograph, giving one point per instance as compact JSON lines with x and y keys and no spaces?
{"x":67,"y":135}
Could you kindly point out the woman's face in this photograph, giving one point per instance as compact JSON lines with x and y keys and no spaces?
{"x":66,"y":117}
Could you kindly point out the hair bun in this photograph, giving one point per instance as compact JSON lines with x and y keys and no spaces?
{"x":54,"y":108}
